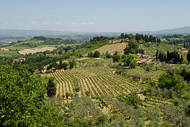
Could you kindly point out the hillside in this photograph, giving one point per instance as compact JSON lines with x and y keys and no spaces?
{"x":119,"y":47}
{"x":100,"y":90}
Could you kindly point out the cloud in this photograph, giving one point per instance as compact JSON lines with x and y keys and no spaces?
{"x":88,"y":23}
{"x":34,"y":22}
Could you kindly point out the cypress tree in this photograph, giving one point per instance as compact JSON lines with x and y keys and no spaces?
{"x":51,"y":88}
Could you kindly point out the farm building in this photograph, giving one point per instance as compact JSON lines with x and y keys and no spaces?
{"x":144,"y":59}
{"x":182,"y":49}
{"x":49,"y":54}
{"x":19,"y":60}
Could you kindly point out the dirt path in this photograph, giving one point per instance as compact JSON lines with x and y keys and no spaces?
{"x":71,"y":87}
{"x":66,"y":87}
{"x":61,"y":89}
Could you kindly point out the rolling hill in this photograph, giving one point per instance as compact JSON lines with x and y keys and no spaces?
{"x":181,"y":30}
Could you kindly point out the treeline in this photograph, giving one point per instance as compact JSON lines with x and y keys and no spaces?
{"x":133,"y":47}
{"x":140,"y":37}
{"x":169,"y":57}
{"x":186,"y":45}
{"x":46,"y":41}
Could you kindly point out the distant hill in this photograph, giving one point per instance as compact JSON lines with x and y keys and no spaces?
{"x":181,"y":30}
{"x":11,"y":35}
{"x":12,"y":32}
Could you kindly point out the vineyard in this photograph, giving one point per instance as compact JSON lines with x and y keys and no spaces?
{"x":94,"y":81}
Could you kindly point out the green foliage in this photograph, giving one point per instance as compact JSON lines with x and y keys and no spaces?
{"x":76,"y":84}
{"x":130,"y":60}
{"x":177,"y":115}
{"x":72,"y":62}
{"x":132,"y":47}
{"x":51,"y":88}
{"x":108,"y":55}
{"x":65,"y":65}
{"x":116,"y":57}
{"x":130,"y":99}
{"x":169,"y":57}
{"x":102,"y":119}
{"x":171,"y":80}
{"x":96,"y":54}
{"x":21,"y":97}
{"x":67,"y":95}
{"x":87,"y":93}
{"x":188,"y":56}
{"x":90,"y":54}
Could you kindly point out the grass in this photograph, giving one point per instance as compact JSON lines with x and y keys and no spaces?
{"x":9,"y":54}
{"x":145,"y":74}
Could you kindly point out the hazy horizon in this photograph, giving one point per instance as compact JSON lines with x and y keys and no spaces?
{"x":94,"y":16}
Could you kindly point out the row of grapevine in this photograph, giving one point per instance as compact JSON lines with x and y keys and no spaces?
{"x":96,"y":84}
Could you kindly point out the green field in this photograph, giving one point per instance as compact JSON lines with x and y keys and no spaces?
{"x":9,"y":54}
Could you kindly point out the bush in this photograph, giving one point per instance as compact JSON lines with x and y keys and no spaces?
{"x":102,"y":119}
{"x":130,"y":99}
{"x":96,"y":54}
{"x":87,"y":93}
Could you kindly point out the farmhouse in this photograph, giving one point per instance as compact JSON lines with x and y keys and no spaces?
{"x":19,"y":60}
{"x":49,"y":54}
{"x":182,"y":49}
{"x":144,"y":59}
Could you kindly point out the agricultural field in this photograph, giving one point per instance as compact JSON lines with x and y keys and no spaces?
{"x":97,"y":81}
{"x":35,"y":50}
{"x":27,"y":44}
{"x":119,"y":47}
{"x":142,"y":73}
{"x":8,"y":53}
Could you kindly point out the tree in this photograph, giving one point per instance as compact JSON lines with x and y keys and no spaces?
{"x":76,"y":84}
{"x":132,"y":47}
{"x":65,"y":65}
{"x":116,"y":57}
{"x":72,"y":62}
{"x":40,"y":68}
{"x":60,"y":63}
{"x":96,"y":54}
{"x":67,"y":95}
{"x":171,"y":80}
{"x":108,"y":55}
{"x":122,"y":35}
{"x":51,"y":88}
{"x":90,"y":54}
{"x":21,"y":97}
{"x":130,"y":60}
{"x":188,"y":56}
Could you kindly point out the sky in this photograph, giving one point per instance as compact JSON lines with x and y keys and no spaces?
{"x":94,"y":15}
